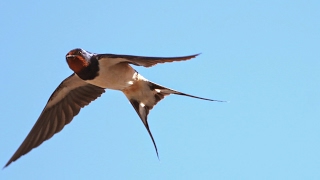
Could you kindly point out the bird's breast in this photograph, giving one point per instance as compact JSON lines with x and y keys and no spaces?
{"x":117,"y":76}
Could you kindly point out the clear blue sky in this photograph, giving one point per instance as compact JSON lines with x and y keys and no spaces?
{"x":262,"y":57}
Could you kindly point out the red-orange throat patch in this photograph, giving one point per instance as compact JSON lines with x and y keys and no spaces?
{"x":77,"y":63}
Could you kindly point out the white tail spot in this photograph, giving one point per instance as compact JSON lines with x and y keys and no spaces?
{"x":142,"y":105}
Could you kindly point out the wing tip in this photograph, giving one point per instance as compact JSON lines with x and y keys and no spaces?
{"x":8,"y":163}
{"x":193,"y":56}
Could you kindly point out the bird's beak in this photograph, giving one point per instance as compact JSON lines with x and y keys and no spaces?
{"x":70,"y":56}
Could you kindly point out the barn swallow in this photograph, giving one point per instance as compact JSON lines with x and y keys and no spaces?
{"x":93,"y":73}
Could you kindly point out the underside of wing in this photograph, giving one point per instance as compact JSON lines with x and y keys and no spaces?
{"x":65,"y":103}
{"x":142,"y":60}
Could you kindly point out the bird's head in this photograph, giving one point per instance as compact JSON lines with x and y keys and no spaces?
{"x":78,"y":59}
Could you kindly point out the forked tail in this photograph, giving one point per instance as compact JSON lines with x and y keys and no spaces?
{"x":144,"y":95}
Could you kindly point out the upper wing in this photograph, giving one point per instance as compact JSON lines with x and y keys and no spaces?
{"x":141,"y":60}
{"x":65,"y":103}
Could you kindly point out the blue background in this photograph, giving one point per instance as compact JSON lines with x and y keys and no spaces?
{"x":261,"y":56}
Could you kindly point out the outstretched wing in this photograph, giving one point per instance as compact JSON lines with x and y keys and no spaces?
{"x":141,"y":60}
{"x":65,"y":103}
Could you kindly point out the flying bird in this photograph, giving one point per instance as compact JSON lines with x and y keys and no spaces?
{"x":93,"y":73}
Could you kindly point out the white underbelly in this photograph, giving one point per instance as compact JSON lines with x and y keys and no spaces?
{"x":117,"y":77}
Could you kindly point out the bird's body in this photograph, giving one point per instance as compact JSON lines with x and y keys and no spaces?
{"x":114,"y":76}
{"x":93,"y":73}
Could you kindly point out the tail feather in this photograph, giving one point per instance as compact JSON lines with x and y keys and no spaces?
{"x":167,"y":91}
{"x":144,"y":95}
{"x":143,"y":112}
